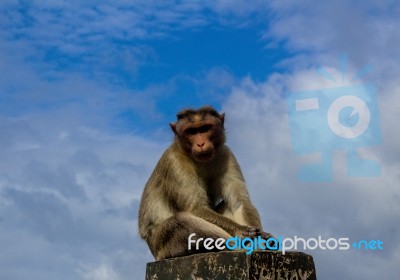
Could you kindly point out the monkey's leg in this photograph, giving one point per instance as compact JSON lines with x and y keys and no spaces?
{"x":171,"y":238}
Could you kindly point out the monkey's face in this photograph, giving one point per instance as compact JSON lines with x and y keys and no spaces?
{"x":201,"y":143}
{"x":200,"y":137}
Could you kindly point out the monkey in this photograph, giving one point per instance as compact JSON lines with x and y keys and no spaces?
{"x":197,"y":187}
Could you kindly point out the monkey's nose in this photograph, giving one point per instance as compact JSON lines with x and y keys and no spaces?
{"x":200,"y":145}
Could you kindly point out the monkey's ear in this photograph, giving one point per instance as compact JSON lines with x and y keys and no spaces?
{"x":173,"y":127}
{"x":222,"y":118}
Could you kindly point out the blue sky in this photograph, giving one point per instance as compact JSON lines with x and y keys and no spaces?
{"x":129,"y":49}
{"x":87,"y":89}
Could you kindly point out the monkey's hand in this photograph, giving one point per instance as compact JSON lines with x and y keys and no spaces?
{"x":265,"y":235}
{"x":247,"y":231}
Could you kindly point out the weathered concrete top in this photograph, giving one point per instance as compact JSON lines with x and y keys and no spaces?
{"x":260,"y":265}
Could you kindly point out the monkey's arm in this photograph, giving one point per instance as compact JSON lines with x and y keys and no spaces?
{"x":238,"y":205}
{"x":230,"y":226}
{"x":235,"y":194}
{"x":201,"y":208}
{"x":236,"y":197}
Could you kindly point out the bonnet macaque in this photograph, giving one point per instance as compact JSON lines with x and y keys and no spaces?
{"x":196,"y":187}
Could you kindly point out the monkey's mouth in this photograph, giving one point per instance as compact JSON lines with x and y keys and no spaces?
{"x":204,"y":156}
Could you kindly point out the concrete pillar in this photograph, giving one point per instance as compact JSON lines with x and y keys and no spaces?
{"x":260,"y":265}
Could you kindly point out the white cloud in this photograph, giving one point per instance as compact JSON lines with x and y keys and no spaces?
{"x":72,"y":198}
{"x":364,"y":30}
{"x":103,"y":271}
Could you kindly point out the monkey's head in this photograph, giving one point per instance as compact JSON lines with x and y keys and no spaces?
{"x":200,"y":132}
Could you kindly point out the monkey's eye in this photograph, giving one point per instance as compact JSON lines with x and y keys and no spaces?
{"x":191,"y":131}
{"x":204,"y":128}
